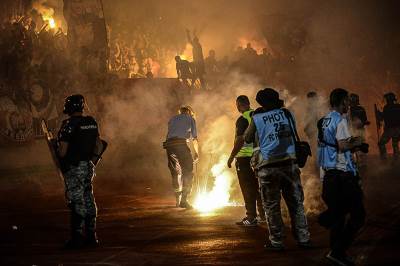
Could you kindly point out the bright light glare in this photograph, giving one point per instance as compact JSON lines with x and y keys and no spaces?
{"x":50,"y":21}
{"x":219,"y":196}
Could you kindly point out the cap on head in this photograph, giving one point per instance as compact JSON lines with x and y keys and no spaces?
{"x":74,"y":103}
{"x":337,"y":96}
{"x":269,"y":98}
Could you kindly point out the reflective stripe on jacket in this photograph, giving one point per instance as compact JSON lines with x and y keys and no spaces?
{"x":247,"y":149}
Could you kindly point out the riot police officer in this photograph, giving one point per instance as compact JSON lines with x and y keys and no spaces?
{"x":391,"y":118}
{"x":78,"y":140}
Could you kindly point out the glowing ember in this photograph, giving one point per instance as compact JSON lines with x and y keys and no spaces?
{"x":219,"y":196}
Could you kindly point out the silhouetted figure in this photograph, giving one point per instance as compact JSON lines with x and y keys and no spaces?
{"x":391,"y":118}
{"x":198,"y":59}
{"x":211,"y":63}
{"x":358,"y":119}
{"x":183,"y":70}
{"x":264,"y":60}
{"x":357,"y":112}
{"x":78,"y":140}
{"x":239,"y":53}
{"x":249,"y":60}
{"x":249,"y":51}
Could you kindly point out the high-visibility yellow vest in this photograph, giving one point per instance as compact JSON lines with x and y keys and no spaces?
{"x":247,"y":149}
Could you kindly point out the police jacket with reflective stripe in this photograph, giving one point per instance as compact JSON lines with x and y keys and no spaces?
{"x":247,"y":149}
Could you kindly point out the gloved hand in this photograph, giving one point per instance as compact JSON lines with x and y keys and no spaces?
{"x":356,"y":141}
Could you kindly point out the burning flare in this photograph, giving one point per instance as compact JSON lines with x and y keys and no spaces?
{"x":50,"y":21}
{"x":219,"y":196}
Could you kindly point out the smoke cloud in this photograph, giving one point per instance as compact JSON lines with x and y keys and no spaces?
{"x":318,"y":45}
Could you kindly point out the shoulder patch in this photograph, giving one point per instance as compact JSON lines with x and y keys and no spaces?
{"x":88,"y":127}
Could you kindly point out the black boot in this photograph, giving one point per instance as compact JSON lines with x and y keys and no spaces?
{"x":91,"y":239}
{"x":184,"y":203}
{"x":77,"y":239}
{"x":91,"y":236}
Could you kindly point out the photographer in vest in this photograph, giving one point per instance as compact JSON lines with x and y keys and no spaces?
{"x":242,"y":152}
{"x":275,"y":163}
{"x":341,"y":189}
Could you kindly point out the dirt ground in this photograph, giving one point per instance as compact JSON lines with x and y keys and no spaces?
{"x":141,"y":227}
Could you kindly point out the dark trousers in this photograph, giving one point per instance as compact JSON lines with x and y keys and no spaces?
{"x":249,"y":186}
{"x":344,"y":197}
{"x":394,"y":135}
{"x":180,"y":164}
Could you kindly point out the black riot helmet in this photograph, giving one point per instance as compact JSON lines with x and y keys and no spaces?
{"x":390,"y":97}
{"x":74,"y":103}
{"x":354,"y":99}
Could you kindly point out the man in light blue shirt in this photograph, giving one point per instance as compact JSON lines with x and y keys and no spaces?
{"x":182,"y":129}
{"x":182,"y":126}
{"x":341,"y":184}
